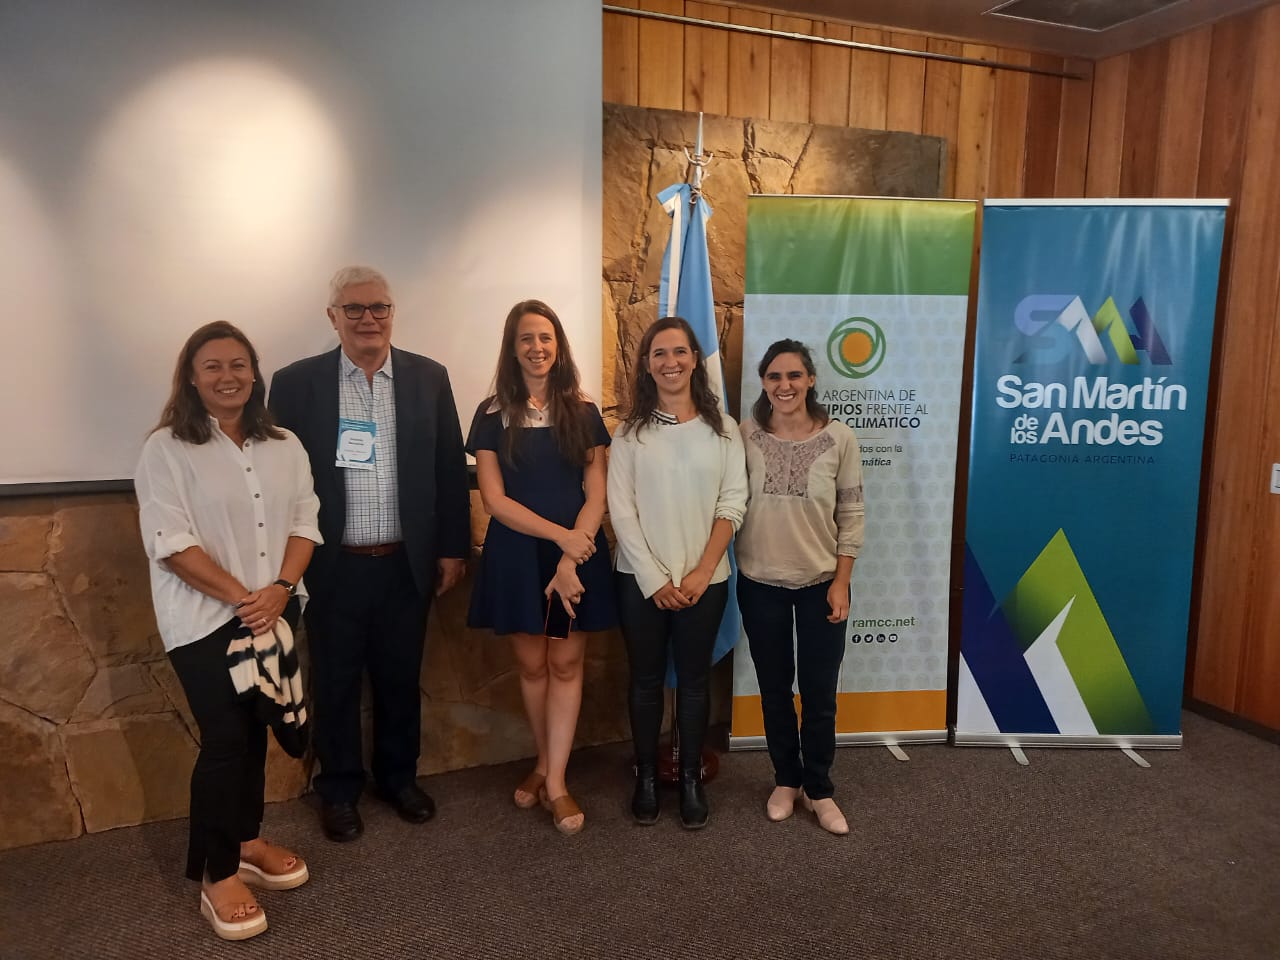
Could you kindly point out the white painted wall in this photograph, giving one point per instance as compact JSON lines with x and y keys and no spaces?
{"x":167,"y":164}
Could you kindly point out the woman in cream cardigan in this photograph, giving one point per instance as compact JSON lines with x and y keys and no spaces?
{"x":677,"y":492}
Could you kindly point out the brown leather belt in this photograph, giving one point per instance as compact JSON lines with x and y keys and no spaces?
{"x":374,"y":550}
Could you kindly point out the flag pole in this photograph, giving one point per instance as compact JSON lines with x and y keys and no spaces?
{"x":669,"y":762}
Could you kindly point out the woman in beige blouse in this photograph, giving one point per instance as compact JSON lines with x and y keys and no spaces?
{"x":795,"y":553}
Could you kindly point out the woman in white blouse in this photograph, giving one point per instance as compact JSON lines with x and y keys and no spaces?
{"x":795,"y":557}
{"x":677,"y":491}
{"x":228,"y":520}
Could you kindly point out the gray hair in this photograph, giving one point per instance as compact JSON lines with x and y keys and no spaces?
{"x":348,"y":276}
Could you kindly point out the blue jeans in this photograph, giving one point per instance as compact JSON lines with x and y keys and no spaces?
{"x":801,"y":756}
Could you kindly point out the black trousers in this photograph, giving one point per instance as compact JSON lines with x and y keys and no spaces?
{"x":230,"y":772}
{"x":373,"y":619}
{"x":691,"y":636}
{"x":769,"y":615}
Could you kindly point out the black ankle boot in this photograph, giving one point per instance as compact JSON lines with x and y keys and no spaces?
{"x":644,"y":801}
{"x":693,"y":801}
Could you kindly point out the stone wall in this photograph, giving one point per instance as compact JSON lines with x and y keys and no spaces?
{"x":95,"y":729}
{"x":89,"y":714}
{"x":644,"y":154}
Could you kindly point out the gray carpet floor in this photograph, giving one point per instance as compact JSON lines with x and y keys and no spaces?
{"x":958,"y":853}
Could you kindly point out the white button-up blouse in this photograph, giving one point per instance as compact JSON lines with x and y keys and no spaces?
{"x":240,"y":505}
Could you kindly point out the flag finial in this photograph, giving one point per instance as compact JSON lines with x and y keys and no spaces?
{"x":699,"y":162}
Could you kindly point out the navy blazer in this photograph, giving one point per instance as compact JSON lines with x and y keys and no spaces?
{"x":435,"y":499}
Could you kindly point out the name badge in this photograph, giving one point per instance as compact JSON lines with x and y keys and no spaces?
{"x":357,"y":444}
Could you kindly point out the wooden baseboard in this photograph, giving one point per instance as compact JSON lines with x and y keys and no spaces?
{"x":1232,"y":720}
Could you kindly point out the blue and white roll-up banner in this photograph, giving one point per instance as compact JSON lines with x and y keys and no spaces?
{"x":1091,"y":371}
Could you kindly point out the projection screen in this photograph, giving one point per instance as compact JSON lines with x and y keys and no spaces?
{"x":165,"y":165}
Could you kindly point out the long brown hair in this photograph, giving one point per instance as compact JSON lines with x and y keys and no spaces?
{"x":762,"y":411}
{"x":644,"y":389}
{"x":570,"y":424}
{"x":185,"y":413}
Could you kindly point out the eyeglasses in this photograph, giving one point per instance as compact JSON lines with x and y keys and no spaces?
{"x":354,"y":311}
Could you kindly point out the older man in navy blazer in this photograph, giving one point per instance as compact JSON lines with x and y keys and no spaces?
{"x":382,"y":432}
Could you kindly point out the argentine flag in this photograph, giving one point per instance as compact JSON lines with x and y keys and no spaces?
{"x":685,"y":291}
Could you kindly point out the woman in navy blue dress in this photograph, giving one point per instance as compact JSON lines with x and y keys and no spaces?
{"x":544,"y":575}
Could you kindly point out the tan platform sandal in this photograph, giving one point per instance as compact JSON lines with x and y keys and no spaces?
{"x":562,"y":808}
{"x":238,"y":920}
{"x":277,"y":869}
{"x":529,"y":791}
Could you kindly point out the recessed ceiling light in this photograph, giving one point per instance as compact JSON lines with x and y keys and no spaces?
{"x":1091,"y":15}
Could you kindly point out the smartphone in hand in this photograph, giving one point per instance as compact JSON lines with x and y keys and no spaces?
{"x":558,"y":622}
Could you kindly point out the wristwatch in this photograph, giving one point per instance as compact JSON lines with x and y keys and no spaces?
{"x":291,"y":587}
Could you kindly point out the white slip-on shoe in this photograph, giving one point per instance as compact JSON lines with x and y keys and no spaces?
{"x":829,"y":816}
{"x":781,"y":803}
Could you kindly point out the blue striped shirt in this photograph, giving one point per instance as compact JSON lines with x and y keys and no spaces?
{"x":373,"y":496}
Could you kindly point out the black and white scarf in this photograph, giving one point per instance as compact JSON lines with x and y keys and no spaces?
{"x":265,"y":668}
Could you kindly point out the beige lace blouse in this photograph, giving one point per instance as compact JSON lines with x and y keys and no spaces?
{"x":806,"y":505}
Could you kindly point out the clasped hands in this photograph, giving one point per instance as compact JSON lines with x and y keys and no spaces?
{"x":690,"y":591}
{"x":260,"y":610}
{"x":577,"y":544}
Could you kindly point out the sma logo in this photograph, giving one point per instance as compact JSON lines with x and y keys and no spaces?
{"x":1059,"y":324}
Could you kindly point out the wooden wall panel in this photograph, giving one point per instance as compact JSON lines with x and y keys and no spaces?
{"x":1074,"y":118}
{"x":829,"y":77}
{"x":1044,"y":105}
{"x":662,"y":57}
{"x":1182,"y":114}
{"x":974,"y":135}
{"x":1234,"y":567}
{"x":1259,"y":700}
{"x":1259,"y":697}
{"x":1228,"y":95}
{"x":868,"y":82}
{"x":748,"y":66}
{"x":942,"y":103}
{"x":1106,"y":127}
{"x":1259,"y":687}
{"x":905,"y":108}
{"x":1144,"y":96}
{"x":1009,"y":127}
{"x":1228,"y":519}
{"x":790,"y":66}
{"x":621,"y":43}
{"x":1197,"y":115}
{"x":706,"y":61}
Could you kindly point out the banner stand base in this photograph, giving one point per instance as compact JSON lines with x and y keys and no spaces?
{"x":1015,"y":742}
{"x":889,"y":739}
{"x":1133,"y":755}
{"x":1021,"y":757}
